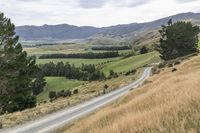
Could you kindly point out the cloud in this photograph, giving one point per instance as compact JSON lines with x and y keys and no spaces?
{"x":127,"y":3}
{"x":92,"y":3}
{"x":92,"y":12}
{"x":185,"y":1}
{"x":110,"y":3}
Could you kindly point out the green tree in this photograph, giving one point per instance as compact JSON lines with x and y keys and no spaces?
{"x":178,"y":39}
{"x":143,"y":50}
{"x":39,"y":83}
{"x":16,"y":71}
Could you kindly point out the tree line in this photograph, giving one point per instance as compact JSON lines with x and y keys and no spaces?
{"x":112,"y":48}
{"x":85,"y":72}
{"x":88,"y":55}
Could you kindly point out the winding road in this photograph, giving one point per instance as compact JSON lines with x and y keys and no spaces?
{"x":58,"y":119}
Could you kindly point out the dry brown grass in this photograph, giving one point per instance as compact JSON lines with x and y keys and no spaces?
{"x":169,"y":104}
{"x":86,"y":92}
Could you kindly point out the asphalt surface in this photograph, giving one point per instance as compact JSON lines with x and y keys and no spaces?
{"x":58,"y":119}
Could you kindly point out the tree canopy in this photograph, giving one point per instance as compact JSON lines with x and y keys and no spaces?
{"x":178,"y":39}
{"x":16,"y":71}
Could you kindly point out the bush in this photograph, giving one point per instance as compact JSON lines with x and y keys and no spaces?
{"x":162,"y":65}
{"x":21,"y":102}
{"x":177,"y":62}
{"x":52,"y":95}
{"x":106,"y":86}
{"x":143,"y":50}
{"x":67,"y":93}
{"x":174,"y":69}
{"x":131,"y":72}
{"x":170,"y":65}
{"x":75,"y":91}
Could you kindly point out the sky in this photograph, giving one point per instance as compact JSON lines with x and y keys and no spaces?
{"x":97,"y":13}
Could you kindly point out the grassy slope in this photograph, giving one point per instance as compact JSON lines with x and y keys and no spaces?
{"x":57,"y":84}
{"x":170,"y":103}
{"x":130,"y":63}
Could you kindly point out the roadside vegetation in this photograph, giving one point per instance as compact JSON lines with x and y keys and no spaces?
{"x":57,"y":84}
{"x":86,"y":91}
{"x":168,"y":102}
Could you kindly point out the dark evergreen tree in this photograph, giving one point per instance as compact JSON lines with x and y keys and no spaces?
{"x":178,"y":39}
{"x":16,"y":71}
{"x":144,"y":50}
{"x":39,"y":83}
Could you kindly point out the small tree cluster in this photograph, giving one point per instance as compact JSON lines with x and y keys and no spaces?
{"x":178,"y":39}
{"x":112,"y":74}
{"x":85,"y":72}
{"x":63,"y":93}
{"x":131,"y":72}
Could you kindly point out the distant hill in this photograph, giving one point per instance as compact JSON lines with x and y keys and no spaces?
{"x":65,"y":31}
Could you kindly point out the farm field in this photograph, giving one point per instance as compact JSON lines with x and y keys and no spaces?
{"x":54,"y":49}
{"x":57,"y":84}
{"x":124,"y":65}
{"x":118,"y":64}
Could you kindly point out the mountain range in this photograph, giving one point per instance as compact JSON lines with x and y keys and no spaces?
{"x":65,"y":31}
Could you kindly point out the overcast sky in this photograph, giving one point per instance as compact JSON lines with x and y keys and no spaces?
{"x":93,"y":12}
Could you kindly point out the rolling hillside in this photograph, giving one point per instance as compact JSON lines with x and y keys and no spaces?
{"x":168,"y":102}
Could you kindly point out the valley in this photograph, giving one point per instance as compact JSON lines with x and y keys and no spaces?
{"x":137,"y":77}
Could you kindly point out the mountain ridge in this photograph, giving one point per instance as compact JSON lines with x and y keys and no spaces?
{"x":66,"y":31}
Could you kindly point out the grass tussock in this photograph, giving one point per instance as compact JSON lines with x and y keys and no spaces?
{"x":171,"y":103}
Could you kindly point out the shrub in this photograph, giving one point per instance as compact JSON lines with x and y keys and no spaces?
{"x":52,"y":95}
{"x":170,"y":65}
{"x":68,"y":93}
{"x":75,"y":91}
{"x":174,"y":69}
{"x":131,"y":72}
{"x":177,"y":62}
{"x":162,"y":65}
{"x":143,"y":50}
{"x":106,"y":86}
{"x":60,"y":93}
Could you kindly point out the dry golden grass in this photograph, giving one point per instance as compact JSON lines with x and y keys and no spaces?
{"x":86,"y":92}
{"x":169,"y":104}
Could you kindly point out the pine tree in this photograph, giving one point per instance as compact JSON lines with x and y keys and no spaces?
{"x":39,"y":83}
{"x":16,"y":71}
{"x":178,"y":39}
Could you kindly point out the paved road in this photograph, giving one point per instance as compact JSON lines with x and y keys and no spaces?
{"x":56,"y":120}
